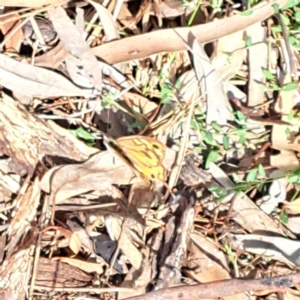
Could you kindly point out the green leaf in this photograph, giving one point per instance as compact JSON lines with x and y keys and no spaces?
{"x":292,"y":40}
{"x":137,"y":124}
{"x":288,"y":133}
{"x":293,"y":179}
{"x":208,"y":138}
{"x":230,"y":254}
{"x":297,"y":16}
{"x":291,"y":115}
{"x":214,"y":189}
{"x":248,"y":41}
{"x":289,"y":4}
{"x":105,"y":103}
{"x":165,"y":100}
{"x":239,"y":132}
{"x":276,"y":87}
{"x":268,"y":74}
{"x":216,"y":127}
{"x":242,"y":140}
{"x":226,"y":142}
{"x":284,"y":218}
{"x":241,"y":187}
{"x":194,"y":124}
{"x":285,"y":20}
{"x":261,"y":170}
{"x":220,"y":197}
{"x":290,"y":86}
{"x":212,"y":157}
{"x":260,"y":187}
{"x":83,"y":134}
{"x":276,"y":29}
{"x":252,"y":175}
{"x":247,"y":12}
{"x":296,"y":172}
{"x":241,"y":116}
{"x":235,"y":177}
{"x":276,"y":8}
{"x":219,"y":192}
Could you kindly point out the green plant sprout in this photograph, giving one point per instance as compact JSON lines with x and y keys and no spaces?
{"x":109,"y":100}
{"x":83,"y":134}
{"x":256,"y":178}
{"x":273,"y":85}
{"x":193,"y":15}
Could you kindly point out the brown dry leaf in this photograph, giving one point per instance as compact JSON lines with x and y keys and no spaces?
{"x":211,"y":83}
{"x":31,"y":3}
{"x":11,"y":182}
{"x":280,"y":138}
{"x":73,"y":41}
{"x":25,"y":138}
{"x":53,"y":58}
{"x":82,"y":234}
{"x":287,"y":159}
{"x":188,"y":86}
{"x":38,"y":31}
{"x":125,"y":17}
{"x":271,"y":122}
{"x":14,"y":42}
{"x":33,"y":81}
{"x":14,"y":275}
{"x":287,"y":99}
{"x":2,"y":246}
{"x":101,"y":169}
{"x":80,"y":79}
{"x":125,"y":242}
{"x":144,"y":105}
{"x":176,"y":235}
{"x":257,"y":220}
{"x":277,"y":192}
{"x":293,"y":207}
{"x":258,"y":61}
{"x":204,"y":268}
{"x":142,"y":196}
{"x":86,"y":200}
{"x":266,"y":244}
{"x":138,"y":280}
{"x":24,"y":213}
{"x":229,"y":55}
{"x":234,"y":92}
{"x":71,"y":240}
{"x":176,"y":39}
{"x":153,"y":223}
{"x":173,"y":8}
{"x":51,"y":273}
{"x":191,"y":174}
{"x":286,"y":143}
{"x":88,"y":267}
{"x":296,"y":144}
{"x":107,"y":21}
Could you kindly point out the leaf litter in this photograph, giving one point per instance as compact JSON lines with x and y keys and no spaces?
{"x":207,"y":97}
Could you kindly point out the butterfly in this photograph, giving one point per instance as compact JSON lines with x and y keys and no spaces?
{"x":144,"y":155}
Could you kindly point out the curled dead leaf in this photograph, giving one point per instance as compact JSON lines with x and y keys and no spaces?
{"x":293,"y":207}
{"x":71,"y":240}
{"x":88,"y":267}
